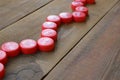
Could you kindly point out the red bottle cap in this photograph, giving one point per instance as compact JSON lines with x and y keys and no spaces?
{"x":54,"y":18}
{"x":75,"y":4}
{"x":79,"y":16}
{"x":49,"y":33}
{"x":2,"y":71}
{"x":82,"y":9}
{"x":83,"y":1}
{"x":28,"y":46}
{"x":11,"y":48}
{"x":49,"y":25}
{"x":3,"y":57}
{"x":46,"y":44}
{"x":90,"y":1}
{"x":66,"y":17}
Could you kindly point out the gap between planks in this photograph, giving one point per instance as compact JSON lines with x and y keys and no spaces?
{"x":106,"y":72}
{"x":52,"y":63}
{"x":79,"y":42}
{"x":112,"y":59}
{"x":25,"y":15}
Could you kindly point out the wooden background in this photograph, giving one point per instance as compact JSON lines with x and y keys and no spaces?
{"x":84,"y":51}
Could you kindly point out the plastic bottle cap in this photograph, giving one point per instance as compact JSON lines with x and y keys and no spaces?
{"x":79,"y":16}
{"x":11,"y":48}
{"x":2,"y":71}
{"x":82,"y":9}
{"x":46,"y":44}
{"x":66,"y":17}
{"x":90,"y":1}
{"x":49,"y":33}
{"x":49,"y":25}
{"x":3,"y":57}
{"x":28,"y":46}
{"x":75,"y":4}
{"x":83,"y":1}
{"x":54,"y":18}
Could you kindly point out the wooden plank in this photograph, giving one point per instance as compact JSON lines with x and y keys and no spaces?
{"x":13,"y":10}
{"x":94,"y":54}
{"x":114,"y":71}
{"x":27,"y":66}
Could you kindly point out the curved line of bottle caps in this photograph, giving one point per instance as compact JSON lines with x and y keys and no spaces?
{"x":48,"y":35}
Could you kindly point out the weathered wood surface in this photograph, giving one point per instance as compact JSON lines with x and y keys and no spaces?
{"x":34,"y":67}
{"x":97,"y":55}
{"x":114,"y":70}
{"x":13,"y":10}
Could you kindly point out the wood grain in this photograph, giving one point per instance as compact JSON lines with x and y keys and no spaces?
{"x":93,"y":57}
{"x":114,"y":70}
{"x":13,"y":10}
{"x":68,"y":37}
